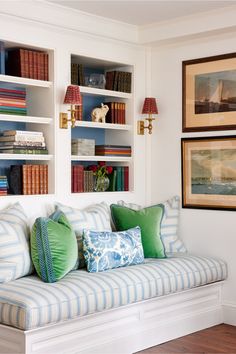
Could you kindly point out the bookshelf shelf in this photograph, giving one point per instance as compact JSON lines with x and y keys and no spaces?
{"x":88,"y":124}
{"x":28,"y":157}
{"x":21,"y":81}
{"x":101,"y":158}
{"x":108,"y":93}
{"x":25,"y":119}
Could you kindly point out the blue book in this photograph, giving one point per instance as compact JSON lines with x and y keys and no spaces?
{"x":2,"y":58}
{"x":118,"y":179}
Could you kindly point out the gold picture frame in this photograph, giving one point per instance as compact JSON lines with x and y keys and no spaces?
{"x":209,"y":172}
{"x":209,"y":93}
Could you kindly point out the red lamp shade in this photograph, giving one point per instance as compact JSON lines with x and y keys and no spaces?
{"x":150,"y":106}
{"x":73,"y":95}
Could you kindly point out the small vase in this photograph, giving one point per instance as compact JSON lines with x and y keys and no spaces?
{"x":101,"y":184}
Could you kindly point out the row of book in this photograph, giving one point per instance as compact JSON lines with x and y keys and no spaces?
{"x":77,"y":74}
{"x":22,"y":142}
{"x":28,"y":179}
{"x":118,"y":81}
{"x":13,"y":100}
{"x":116,"y":113}
{"x":3,"y":185}
{"x":83,"y":180}
{"x":28,"y":63}
{"x":113,"y":150}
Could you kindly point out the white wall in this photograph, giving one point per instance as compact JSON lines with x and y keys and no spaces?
{"x":206,"y":232}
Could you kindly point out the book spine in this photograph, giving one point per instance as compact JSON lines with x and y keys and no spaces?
{"x":2,"y":58}
{"x":31,"y":65}
{"x":29,"y":179}
{"x":35,"y":66}
{"x":41,"y":175}
{"x":24,"y":179}
{"x":126,"y":178}
{"x":118,"y":181}
{"x":122,"y":179}
{"x":45,"y":179}
{"x":46,"y":66}
{"x":37,"y":182}
{"x":33,"y":180}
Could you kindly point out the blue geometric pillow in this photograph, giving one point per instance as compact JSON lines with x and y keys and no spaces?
{"x":107,"y":250}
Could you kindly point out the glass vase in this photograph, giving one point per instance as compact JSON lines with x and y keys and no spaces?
{"x":101,"y":184}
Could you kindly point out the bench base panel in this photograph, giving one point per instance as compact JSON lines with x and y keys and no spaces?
{"x":124,"y":330}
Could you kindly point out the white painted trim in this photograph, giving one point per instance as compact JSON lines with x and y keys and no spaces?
{"x":194,"y":26}
{"x":123,"y":330}
{"x":44,"y":12}
{"x":229,"y":313}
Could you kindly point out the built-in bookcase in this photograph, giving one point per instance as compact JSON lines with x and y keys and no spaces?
{"x":103,"y":133}
{"x":39,"y":118}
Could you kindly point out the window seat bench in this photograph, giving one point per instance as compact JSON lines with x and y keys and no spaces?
{"x":117,"y":311}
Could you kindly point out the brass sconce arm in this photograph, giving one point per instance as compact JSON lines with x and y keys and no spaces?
{"x":142,"y":127}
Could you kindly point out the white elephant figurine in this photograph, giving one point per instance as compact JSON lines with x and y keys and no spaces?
{"x":99,"y":114}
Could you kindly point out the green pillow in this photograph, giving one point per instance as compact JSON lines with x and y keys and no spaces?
{"x":149,"y":220}
{"x":54,"y":248}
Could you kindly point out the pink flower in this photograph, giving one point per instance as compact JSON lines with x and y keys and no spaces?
{"x":102,"y":163}
{"x":93,"y":168}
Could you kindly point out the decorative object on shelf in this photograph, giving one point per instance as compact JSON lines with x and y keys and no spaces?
{"x":72,"y":97}
{"x":149,"y":107}
{"x":101,"y":172}
{"x":209,"y":93}
{"x":83,"y":147}
{"x":95,"y":80}
{"x":99,"y":114}
{"x":208,"y":172}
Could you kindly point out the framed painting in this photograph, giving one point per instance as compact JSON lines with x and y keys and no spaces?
{"x":209,"y":172}
{"x":209,"y":93}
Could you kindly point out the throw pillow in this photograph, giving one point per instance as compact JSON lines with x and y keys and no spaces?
{"x":169,"y":224}
{"x":95,"y":217}
{"x":149,"y":220}
{"x":107,"y":250}
{"x":53,"y":247}
{"x":15,"y":259}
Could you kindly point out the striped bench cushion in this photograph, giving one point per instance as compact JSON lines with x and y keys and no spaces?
{"x":29,"y":303}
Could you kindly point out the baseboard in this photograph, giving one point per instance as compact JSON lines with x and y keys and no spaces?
{"x":229,"y":313}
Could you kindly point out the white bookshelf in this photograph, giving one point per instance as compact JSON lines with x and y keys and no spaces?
{"x":89,"y":124}
{"x":101,"y":158}
{"x":101,"y":92}
{"x":40,"y":102}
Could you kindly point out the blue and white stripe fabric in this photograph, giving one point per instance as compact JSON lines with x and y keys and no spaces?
{"x":29,"y":303}
{"x":15,"y":259}
{"x":95,"y":217}
{"x":169,"y":225}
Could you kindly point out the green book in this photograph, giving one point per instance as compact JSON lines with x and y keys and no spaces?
{"x":112,"y":178}
{"x":118,"y":179}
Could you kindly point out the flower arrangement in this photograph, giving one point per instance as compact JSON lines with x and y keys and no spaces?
{"x":101,"y":170}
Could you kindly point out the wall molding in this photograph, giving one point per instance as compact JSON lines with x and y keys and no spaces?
{"x":229,"y":313}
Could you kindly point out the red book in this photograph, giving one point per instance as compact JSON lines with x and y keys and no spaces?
{"x":126,"y":178}
{"x":33,"y":179}
{"x":41,"y":186}
{"x":31,"y":69}
{"x":80,"y":178}
{"x":29,"y":178}
{"x":35,"y":66}
{"x":45,"y":179}
{"x":24,"y":179}
{"x":36,"y":179}
{"x":46,"y":75}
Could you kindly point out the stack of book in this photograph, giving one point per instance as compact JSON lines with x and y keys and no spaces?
{"x":116,"y":113}
{"x":118,"y":81}
{"x":13,"y":100}
{"x":28,"y":179}
{"x":22,"y":142}
{"x":83,"y":147}
{"x":3,"y":185}
{"x":77,"y":74}
{"x":113,"y":150}
{"x":81,"y":180}
{"x":119,"y":179}
{"x":27,"y":63}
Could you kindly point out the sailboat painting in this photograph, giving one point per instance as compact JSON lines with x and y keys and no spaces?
{"x":209,"y":93}
{"x":209,"y":172}
{"x":215,"y":92}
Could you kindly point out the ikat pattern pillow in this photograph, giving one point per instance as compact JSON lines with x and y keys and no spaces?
{"x":169,"y":224}
{"x":95,"y":217}
{"x":107,"y":250}
{"x":15,"y":261}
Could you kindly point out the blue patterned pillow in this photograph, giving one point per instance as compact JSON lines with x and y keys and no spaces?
{"x":107,"y":250}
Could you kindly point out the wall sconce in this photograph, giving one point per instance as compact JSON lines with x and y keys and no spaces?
{"x":149,"y":107}
{"x":73,"y":98}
